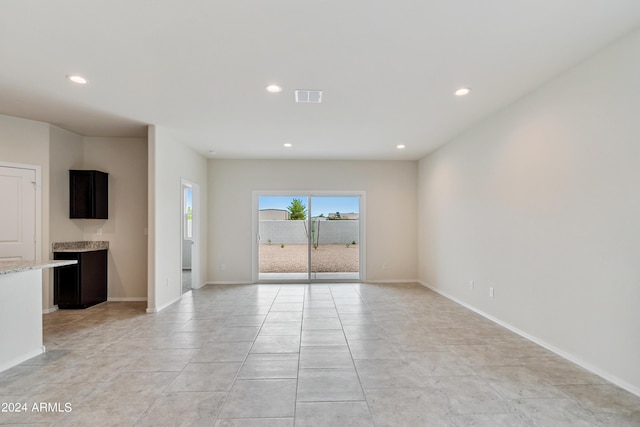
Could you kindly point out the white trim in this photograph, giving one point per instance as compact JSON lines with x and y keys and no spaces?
{"x":18,"y":165}
{"x":570,"y":357}
{"x":362,"y":244}
{"x":255,"y":228}
{"x":38,"y":225}
{"x":201,"y":285}
{"x":306,"y":282}
{"x":229,"y":283}
{"x":377,"y":282}
{"x":95,"y":305}
{"x":50,"y":309}
{"x":151,"y":219}
{"x":15,"y":362}
{"x":157,"y":309}
{"x":195,"y":230}
{"x":126,"y":299}
{"x":392,"y":282}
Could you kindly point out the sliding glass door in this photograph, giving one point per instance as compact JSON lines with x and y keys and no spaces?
{"x":304,"y":237}
{"x":335,"y":233}
{"x":282,"y":238}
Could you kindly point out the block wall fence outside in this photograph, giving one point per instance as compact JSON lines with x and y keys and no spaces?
{"x":294,"y":232}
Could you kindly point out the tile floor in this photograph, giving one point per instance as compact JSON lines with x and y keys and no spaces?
{"x":186,"y":281}
{"x":315,"y":355}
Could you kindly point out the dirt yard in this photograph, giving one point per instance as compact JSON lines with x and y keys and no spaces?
{"x":293,"y":259}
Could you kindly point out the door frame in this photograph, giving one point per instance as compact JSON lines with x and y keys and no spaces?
{"x":255,"y":265}
{"x":38,"y":195}
{"x":195,"y":248}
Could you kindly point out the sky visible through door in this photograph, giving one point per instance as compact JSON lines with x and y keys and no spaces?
{"x":321,"y":205}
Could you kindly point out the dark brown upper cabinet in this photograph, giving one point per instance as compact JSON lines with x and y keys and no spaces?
{"x":89,"y":194}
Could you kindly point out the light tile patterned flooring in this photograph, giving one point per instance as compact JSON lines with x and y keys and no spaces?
{"x":186,"y":281}
{"x":304,"y":355}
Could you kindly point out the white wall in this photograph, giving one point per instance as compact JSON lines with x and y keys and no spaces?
{"x":169,"y":162}
{"x":125,"y":159}
{"x":27,"y":142}
{"x":66,"y":152}
{"x":391,"y":190}
{"x":541,"y":201}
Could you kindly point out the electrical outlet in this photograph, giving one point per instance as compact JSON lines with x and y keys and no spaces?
{"x":491,"y":292}
{"x":385,"y":266}
{"x":471,"y":284}
{"x":223,"y":267}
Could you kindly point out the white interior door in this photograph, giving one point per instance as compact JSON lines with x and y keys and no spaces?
{"x":17,"y":214}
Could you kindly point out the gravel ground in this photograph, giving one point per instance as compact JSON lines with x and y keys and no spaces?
{"x":293,"y":259}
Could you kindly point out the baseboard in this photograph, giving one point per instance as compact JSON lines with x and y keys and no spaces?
{"x":228,"y":283}
{"x":50,"y":309}
{"x":391,"y":282}
{"x":162,"y":307}
{"x":377,"y":282}
{"x":201,"y":285}
{"x":570,"y":357}
{"x":126,"y":299}
{"x":23,"y":358}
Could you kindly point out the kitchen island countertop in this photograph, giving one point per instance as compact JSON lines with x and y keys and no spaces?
{"x":7,"y":267}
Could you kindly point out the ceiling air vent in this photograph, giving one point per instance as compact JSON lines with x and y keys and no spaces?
{"x":309,"y":96}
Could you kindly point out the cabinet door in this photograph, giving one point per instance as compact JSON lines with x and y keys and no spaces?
{"x":80,"y":195}
{"x":93,"y":277}
{"x":101,"y":195}
{"x":67,"y":281}
{"x":88,"y":194}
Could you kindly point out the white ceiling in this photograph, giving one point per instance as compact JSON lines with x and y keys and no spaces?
{"x":198,"y":68}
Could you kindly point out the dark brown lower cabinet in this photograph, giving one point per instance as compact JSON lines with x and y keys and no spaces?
{"x":83,"y":284}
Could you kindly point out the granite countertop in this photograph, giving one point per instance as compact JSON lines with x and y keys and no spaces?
{"x":83,"y":246}
{"x":7,"y":267}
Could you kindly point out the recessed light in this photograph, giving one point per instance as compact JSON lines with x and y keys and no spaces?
{"x":288,"y":145}
{"x":77,"y":79}
{"x":400,"y":146}
{"x":212,"y":153}
{"x":463,"y":91}
{"x":274,"y":88}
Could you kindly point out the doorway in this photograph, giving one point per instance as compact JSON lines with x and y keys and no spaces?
{"x":188,"y":227}
{"x":306,"y":237}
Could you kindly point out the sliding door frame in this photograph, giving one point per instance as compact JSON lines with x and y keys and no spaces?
{"x":255,"y":268}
